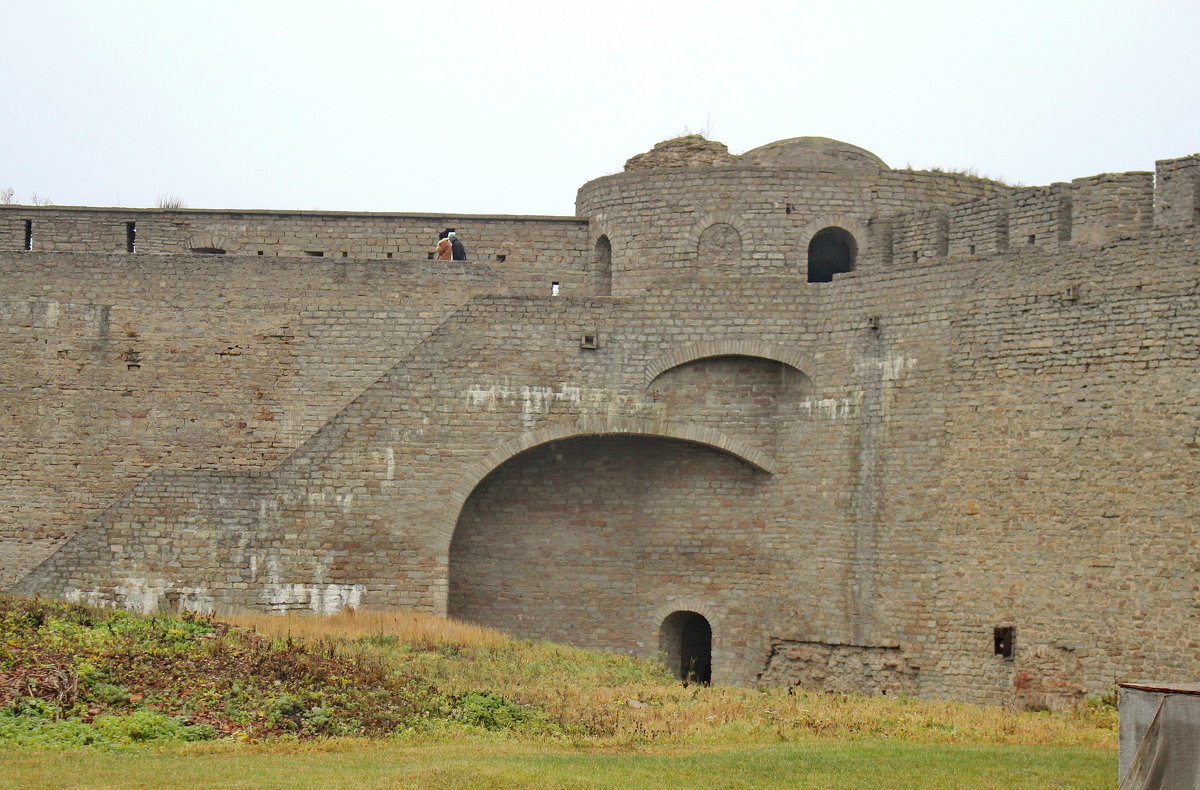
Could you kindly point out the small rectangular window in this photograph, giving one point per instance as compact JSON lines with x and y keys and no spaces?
{"x":130,"y":237}
{"x":28,"y":235}
{"x":554,"y":289}
{"x":1003,"y":640}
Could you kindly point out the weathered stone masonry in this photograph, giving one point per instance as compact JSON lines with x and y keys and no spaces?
{"x":855,"y":419}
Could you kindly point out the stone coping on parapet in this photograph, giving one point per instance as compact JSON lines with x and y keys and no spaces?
{"x":296,"y":213}
{"x":1164,"y":688}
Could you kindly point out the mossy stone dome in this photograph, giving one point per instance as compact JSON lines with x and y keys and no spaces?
{"x":812,"y":153}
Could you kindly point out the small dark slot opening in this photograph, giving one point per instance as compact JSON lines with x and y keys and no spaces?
{"x":345,"y":254}
{"x":501,"y":258}
{"x":431,"y":256}
{"x":972,"y":249}
{"x":28,"y":235}
{"x":1003,"y":639}
{"x":130,"y":237}
{"x":916,"y":256}
{"x":314,"y":253}
{"x":260,"y":252}
{"x":788,"y":208}
{"x":1032,"y":237}
{"x":389,"y":256}
{"x":208,"y":250}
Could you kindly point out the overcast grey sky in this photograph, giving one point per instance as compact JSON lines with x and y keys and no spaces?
{"x":489,"y":107}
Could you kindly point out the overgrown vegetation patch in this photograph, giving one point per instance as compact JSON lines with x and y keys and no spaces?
{"x":75,"y":676}
{"x":71,"y":675}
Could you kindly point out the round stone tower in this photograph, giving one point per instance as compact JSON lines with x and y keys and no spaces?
{"x":802,"y":207}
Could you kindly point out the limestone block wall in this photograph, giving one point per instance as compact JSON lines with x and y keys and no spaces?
{"x":856,"y":482}
{"x":1177,"y":192}
{"x":656,"y":220}
{"x":530,"y":252}
{"x":1070,"y":507}
{"x":801,"y":548}
{"x":117,"y":365}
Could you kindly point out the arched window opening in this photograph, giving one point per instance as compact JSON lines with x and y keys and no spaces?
{"x":720,"y":245}
{"x":602,"y":266}
{"x":831,"y":251}
{"x":686,"y":640}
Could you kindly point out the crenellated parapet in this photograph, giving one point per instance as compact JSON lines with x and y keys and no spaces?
{"x":1091,"y":211}
{"x":1177,"y":193}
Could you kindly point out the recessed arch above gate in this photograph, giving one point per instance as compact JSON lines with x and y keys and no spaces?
{"x":477,"y":470}
{"x":727,"y":348}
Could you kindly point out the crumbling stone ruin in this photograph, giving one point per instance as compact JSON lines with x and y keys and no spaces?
{"x":789,"y":417}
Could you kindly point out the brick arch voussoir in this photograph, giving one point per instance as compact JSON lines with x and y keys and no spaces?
{"x":475,"y":471}
{"x":686,"y":603}
{"x":598,"y":227}
{"x":716,"y":218}
{"x":206,"y":241}
{"x":854,"y":227}
{"x":728,"y":348}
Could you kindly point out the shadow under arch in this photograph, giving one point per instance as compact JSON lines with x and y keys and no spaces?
{"x":579,"y":540}
{"x":477,"y":470}
{"x":799,"y":361}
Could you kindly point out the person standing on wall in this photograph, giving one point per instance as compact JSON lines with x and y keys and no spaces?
{"x":445,"y":250}
{"x":458,"y":251}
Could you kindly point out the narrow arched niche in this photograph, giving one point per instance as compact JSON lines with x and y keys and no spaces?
{"x":602,"y":266}
{"x":685,"y":639}
{"x":832,"y":251}
{"x":720,"y":245}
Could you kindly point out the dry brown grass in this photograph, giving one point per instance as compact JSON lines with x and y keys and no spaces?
{"x":616,"y":701}
{"x":419,"y":629}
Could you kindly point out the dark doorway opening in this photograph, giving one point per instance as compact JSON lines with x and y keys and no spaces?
{"x":686,"y":640}
{"x":831,"y":251}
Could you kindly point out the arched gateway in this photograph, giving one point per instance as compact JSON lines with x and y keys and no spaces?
{"x":580,"y":540}
{"x":685,"y":641}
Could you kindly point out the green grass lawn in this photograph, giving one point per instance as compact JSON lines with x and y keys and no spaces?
{"x":103,"y":699}
{"x":878,"y":765}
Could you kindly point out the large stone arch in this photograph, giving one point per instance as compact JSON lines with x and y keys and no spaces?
{"x":477,"y":470}
{"x":798,"y":360}
{"x":578,"y":539}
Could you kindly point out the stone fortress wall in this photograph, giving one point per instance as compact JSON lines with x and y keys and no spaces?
{"x":983,"y":419}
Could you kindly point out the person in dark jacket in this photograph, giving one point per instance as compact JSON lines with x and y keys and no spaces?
{"x":456,"y":246}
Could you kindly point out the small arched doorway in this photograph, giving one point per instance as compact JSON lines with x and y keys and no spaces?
{"x":685,"y":638}
{"x":831,"y":251}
